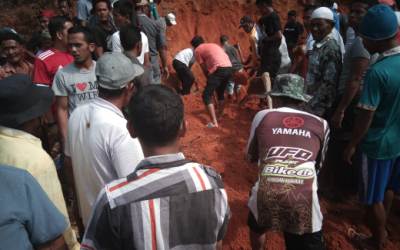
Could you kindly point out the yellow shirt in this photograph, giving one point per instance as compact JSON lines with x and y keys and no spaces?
{"x":23,"y":150}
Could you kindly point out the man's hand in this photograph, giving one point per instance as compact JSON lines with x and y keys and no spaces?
{"x":337,"y":119}
{"x":165,"y":72}
{"x":2,"y":73}
{"x":348,"y":153}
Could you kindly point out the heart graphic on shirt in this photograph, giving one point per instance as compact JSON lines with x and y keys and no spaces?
{"x":81,"y":86}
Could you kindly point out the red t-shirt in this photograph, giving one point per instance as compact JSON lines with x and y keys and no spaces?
{"x":47,"y":64}
{"x":213,"y":56}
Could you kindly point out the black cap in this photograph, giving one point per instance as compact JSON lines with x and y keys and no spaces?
{"x":245,"y":20}
{"x":22,"y":101}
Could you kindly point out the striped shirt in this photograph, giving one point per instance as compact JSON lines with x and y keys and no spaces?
{"x":167,"y":203}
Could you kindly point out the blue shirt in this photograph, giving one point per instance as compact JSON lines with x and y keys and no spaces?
{"x":381,"y":94}
{"x":336,"y":19}
{"x":27,"y":217}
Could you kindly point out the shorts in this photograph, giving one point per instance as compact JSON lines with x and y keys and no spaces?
{"x":270,"y":61}
{"x":185,"y":75}
{"x":308,"y":241}
{"x":217,"y":82}
{"x":378,"y":176}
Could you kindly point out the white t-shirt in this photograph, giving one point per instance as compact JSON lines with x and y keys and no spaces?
{"x":114,"y":45}
{"x":101,"y":150}
{"x":285,"y":59}
{"x":78,"y":84}
{"x":185,"y":56}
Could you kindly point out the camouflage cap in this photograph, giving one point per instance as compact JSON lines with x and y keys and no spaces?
{"x":290,"y":85}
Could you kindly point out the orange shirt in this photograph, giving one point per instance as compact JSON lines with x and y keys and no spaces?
{"x":213,"y":56}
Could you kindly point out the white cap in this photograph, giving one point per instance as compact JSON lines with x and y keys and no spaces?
{"x":335,"y":6}
{"x":171,"y":18}
{"x":322,"y":13}
{"x":142,"y":3}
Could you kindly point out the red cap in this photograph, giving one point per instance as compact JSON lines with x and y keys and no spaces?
{"x":47,"y":13}
{"x":387,"y":2}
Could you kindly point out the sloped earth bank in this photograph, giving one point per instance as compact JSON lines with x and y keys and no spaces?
{"x":224,"y":148}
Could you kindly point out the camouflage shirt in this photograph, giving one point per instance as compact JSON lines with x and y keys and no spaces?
{"x":324,"y":67}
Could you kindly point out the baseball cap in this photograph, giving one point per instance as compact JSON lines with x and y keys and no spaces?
{"x":323,"y":13}
{"x":114,"y":70}
{"x":290,"y":85}
{"x":380,"y":23}
{"x":22,"y":101}
{"x":171,"y":18}
{"x":245,"y":20}
{"x":6,"y":30}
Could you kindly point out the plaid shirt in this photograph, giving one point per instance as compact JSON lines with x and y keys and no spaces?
{"x":167,"y":203}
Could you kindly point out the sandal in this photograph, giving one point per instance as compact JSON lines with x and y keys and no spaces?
{"x":211,"y":125}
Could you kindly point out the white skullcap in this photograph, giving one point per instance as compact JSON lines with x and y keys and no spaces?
{"x":171,"y":18}
{"x":322,"y":13}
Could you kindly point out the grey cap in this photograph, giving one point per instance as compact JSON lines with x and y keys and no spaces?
{"x":114,"y":70}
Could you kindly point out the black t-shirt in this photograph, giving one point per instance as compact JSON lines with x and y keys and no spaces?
{"x":292,"y":32}
{"x":270,"y":25}
{"x":102,"y":35}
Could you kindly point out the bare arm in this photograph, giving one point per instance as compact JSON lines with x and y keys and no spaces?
{"x":163,"y":56}
{"x":359,"y":66}
{"x":239,"y":51}
{"x":204,"y":69}
{"x":361,"y":126}
{"x":298,"y":58}
{"x":254,"y":56}
{"x":62,"y":116}
{"x":56,"y":244}
{"x":146,"y":62}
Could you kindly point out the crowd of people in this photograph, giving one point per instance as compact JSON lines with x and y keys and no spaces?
{"x":86,"y":123}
